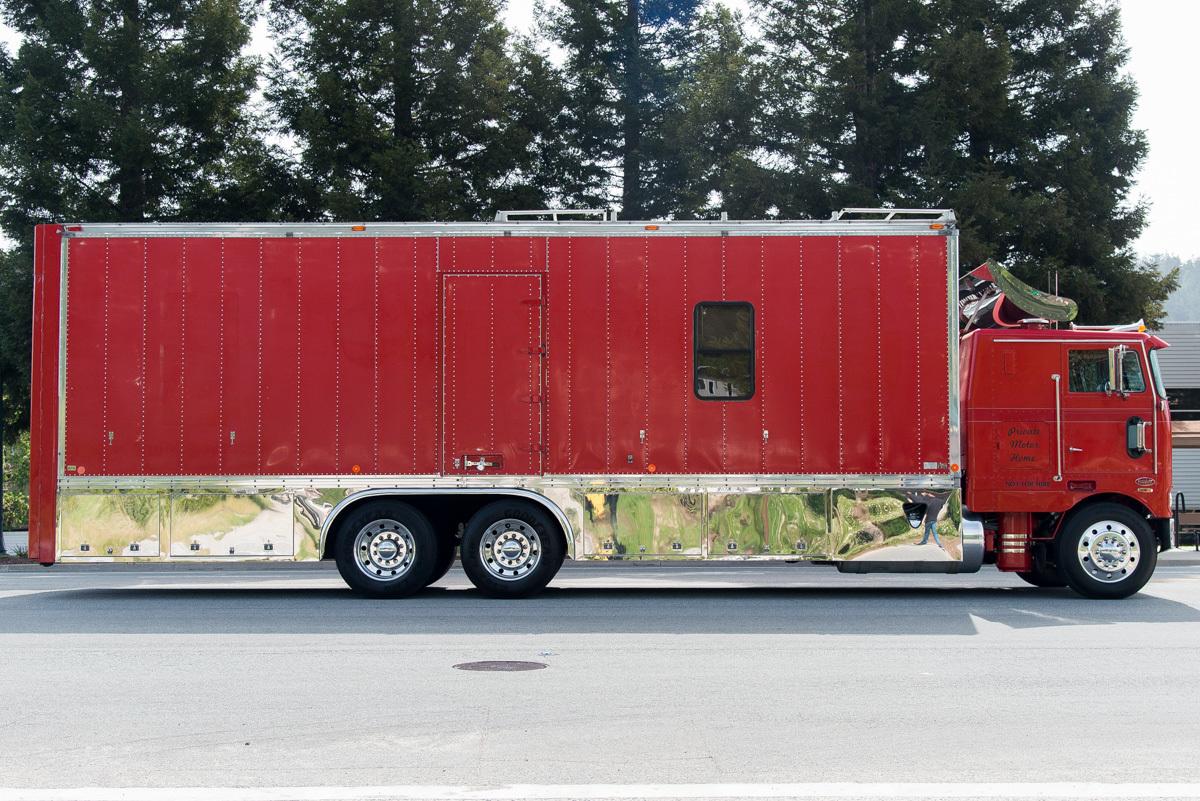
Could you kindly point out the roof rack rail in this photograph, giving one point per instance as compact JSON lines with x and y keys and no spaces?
{"x":933,"y":215}
{"x":1140,"y":325}
{"x":555,"y":215}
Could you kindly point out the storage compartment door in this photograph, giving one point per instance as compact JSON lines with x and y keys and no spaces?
{"x":232,"y":525}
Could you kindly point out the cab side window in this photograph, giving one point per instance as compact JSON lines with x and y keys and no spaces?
{"x":1089,"y":371}
{"x":1131,"y":369}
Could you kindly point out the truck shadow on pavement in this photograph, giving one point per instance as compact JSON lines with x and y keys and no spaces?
{"x":851,"y":611}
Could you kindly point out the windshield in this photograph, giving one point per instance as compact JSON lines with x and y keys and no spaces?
{"x":1157,"y":373}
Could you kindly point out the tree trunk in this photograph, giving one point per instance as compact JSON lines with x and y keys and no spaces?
{"x":132,"y":147}
{"x":865,"y":167}
{"x":402,"y":202}
{"x":632,"y":201}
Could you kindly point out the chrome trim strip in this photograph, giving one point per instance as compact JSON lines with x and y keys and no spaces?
{"x":699,"y":482}
{"x":955,"y":431}
{"x":541,"y":228}
{"x":550,"y":506}
{"x":61,"y":457}
{"x":1110,"y":341}
{"x":1058,"y":432}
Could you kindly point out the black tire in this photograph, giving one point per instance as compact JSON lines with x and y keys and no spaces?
{"x":1043,"y":575}
{"x":533,"y":532}
{"x":364,"y":567}
{"x":447,"y":549}
{"x":1132,"y":546}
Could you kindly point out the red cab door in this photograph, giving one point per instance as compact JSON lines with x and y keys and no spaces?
{"x":1100,"y":426}
{"x":492,"y":375}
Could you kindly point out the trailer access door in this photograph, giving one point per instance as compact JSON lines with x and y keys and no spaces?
{"x":492,"y":374}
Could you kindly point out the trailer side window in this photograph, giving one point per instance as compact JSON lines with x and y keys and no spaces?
{"x":1089,"y":371}
{"x":723,"y":357}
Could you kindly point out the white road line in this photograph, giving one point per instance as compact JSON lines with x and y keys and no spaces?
{"x":584,"y":792}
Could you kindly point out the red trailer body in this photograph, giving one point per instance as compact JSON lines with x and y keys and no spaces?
{"x":658,"y":390}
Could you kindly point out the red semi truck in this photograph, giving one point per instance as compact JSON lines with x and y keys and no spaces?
{"x":549,"y":386}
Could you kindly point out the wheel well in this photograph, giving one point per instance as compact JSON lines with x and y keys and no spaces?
{"x":1110,"y":497}
{"x":448,"y":512}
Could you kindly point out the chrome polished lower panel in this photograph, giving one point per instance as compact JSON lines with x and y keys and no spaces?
{"x":230,"y":525}
{"x":658,"y":523}
{"x":605,"y":520}
{"x":111,"y":524}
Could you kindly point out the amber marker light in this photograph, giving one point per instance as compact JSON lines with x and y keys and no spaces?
{"x":650,"y":468}
{"x":651,"y":227}
{"x":936,"y":226}
{"x":356,"y":469}
{"x":358,"y":228}
{"x":954,"y":468}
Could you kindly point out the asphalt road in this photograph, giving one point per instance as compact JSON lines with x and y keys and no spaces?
{"x":738,"y":680}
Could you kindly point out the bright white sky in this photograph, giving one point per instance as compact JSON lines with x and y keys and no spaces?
{"x":1161,"y":38}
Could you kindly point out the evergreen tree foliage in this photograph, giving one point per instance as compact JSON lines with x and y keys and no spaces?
{"x":622,"y":72}
{"x":839,"y":99}
{"x":16,"y":301}
{"x":122,"y":109}
{"x":1015,"y":113}
{"x":410,"y":109}
{"x":712,"y":132}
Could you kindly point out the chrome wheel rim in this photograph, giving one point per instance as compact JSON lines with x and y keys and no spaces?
{"x":384,"y":550}
{"x":1108,"y":551}
{"x":510,"y":549}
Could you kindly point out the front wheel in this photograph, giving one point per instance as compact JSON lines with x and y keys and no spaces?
{"x":511,"y":549}
{"x":1107,"y":551}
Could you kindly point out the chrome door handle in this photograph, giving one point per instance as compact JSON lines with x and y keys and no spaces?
{"x":481,"y":464}
{"x":1073,"y":449}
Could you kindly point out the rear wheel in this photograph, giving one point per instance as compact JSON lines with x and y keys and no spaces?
{"x":1107,"y":551}
{"x":511,"y":549}
{"x":386,"y":549}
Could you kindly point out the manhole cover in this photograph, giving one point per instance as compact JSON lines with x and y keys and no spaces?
{"x":500,"y":665}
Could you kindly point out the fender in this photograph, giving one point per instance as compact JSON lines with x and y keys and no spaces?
{"x":381,"y":492}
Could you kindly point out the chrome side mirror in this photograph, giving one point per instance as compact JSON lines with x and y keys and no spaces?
{"x":1116,"y":375}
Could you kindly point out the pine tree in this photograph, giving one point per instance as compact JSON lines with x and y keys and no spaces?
{"x":839,"y":96}
{"x":1027,"y":133}
{"x":1015,"y":113}
{"x":120,"y":109}
{"x":622,"y":73}
{"x":408,"y":109}
{"x":16,"y":300}
{"x":712,"y":131}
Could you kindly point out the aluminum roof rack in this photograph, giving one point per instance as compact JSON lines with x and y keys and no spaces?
{"x":1140,"y":325}
{"x":933,"y":215}
{"x":554,"y":215}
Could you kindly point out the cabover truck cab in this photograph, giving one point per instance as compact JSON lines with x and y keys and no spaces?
{"x":1067,"y":450}
{"x":560,"y":385}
